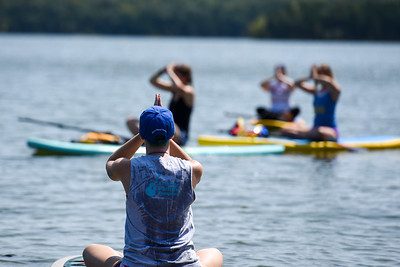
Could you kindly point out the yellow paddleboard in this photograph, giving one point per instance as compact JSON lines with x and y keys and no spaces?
{"x":297,"y":145}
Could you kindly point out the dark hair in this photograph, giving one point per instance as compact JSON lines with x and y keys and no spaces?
{"x":282,"y":67}
{"x":158,"y":142}
{"x":325,"y":69}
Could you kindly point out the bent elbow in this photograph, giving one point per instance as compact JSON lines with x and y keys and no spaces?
{"x":109,"y":171}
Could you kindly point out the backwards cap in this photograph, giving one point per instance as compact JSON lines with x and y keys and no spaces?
{"x":156,"y":125}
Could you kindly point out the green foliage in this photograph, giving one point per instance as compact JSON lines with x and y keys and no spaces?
{"x":322,"y":19}
{"x":258,"y":27}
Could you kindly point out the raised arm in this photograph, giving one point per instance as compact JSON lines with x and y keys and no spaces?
{"x":179,"y":87}
{"x":304,"y":83}
{"x":118,"y":165}
{"x":156,"y":80}
{"x":286,"y":80}
{"x":305,"y":86}
{"x":265,"y":84}
{"x":176,"y":151}
{"x":330,"y":84}
{"x":174,"y":78}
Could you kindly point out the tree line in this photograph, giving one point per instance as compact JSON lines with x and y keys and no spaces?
{"x":289,"y":19}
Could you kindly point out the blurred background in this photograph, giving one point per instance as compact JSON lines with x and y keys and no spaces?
{"x":87,"y":63}
{"x":293,"y":19}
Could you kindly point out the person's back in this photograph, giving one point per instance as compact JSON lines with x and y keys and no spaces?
{"x":159,"y":217}
{"x":182,"y":113}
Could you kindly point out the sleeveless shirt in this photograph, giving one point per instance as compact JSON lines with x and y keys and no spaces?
{"x":280,"y":93}
{"x":324,"y":109}
{"x":159,"y":222}
{"x":181,"y":113}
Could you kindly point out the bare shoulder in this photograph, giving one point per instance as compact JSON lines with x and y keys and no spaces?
{"x":188,"y":93}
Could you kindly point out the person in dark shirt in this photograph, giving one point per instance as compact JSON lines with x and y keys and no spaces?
{"x":181,"y":105}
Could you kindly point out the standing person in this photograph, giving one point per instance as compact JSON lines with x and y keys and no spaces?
{"x":159,"y":191}
{"x":281,"y":87}
{"x":326,"y":92}
{"x":182,"y":101}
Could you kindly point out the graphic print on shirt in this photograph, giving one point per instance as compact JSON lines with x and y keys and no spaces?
{"x":162,"y":188}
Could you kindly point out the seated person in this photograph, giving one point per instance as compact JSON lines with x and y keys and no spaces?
{"x":326,"y":92}
{"x":159,"y":188}
{"x":281,"y":87}
{"x":182,"y":101}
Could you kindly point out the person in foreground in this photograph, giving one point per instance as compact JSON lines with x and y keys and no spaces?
{"x":182,"y":101}
{"x":281,"y":87}
{"x":326,"y":92}
{"x":159,"y":191}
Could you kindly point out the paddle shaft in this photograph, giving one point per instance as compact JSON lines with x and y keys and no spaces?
{"x":65,"y":126}
{"x":238,"y":114}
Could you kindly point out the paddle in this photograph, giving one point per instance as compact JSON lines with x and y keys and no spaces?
{"x":238,"y":114}
{"x":69,"y":127}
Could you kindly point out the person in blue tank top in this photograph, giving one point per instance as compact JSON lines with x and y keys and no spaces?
{"x":182,"y":101}
{"x":159,"y":191}
{"x":326,"y":92}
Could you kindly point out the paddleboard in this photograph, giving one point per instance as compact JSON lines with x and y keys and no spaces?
{"x":301,"y":145}
{"x":55,"y":147}
{"x":69,"y":261}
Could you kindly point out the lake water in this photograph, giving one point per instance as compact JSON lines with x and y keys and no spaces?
{"x":278,"y":210}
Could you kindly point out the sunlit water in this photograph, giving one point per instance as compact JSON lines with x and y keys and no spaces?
{"x":279,"y":210}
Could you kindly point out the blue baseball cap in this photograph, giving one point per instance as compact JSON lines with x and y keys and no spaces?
{"x":156,"y":125}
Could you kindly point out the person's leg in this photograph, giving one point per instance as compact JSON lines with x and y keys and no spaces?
{"x":96,"y":255}
{"x":328,"y":134}
{"x":210,"y":257}
{"x":133,"y":125}
{"x":321,"y":134}
{"x":296,"y":130}
{"x":264,"y":113}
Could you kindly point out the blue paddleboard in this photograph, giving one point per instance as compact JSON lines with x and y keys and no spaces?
{"x":55,"y":147}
